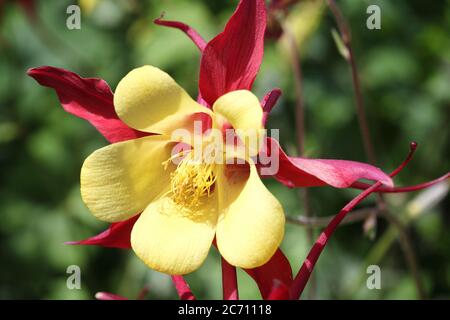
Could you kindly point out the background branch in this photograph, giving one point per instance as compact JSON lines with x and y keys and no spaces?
{"x":303,"y":193}
{"x":320,"y":222}
{"x":345,"y":34}
{"x":408,"y":252}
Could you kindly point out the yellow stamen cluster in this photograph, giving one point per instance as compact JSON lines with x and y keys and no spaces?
{"x":192,"y":182}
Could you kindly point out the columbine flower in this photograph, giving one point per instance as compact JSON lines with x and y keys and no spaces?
{"x":230,"y":62}
{"x":185,"y":205}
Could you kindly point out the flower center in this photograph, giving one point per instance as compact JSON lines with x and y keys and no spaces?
{"x":192,"y":183}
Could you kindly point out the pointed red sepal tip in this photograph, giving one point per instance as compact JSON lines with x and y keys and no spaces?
{"x":116,"y":236}
{"x":232,"y":59}
{"x":90,"y":99}
{"x":33,"y":71}
{"x":304,"y":172}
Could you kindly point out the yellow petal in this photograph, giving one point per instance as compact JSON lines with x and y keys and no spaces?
{"x":251,"y":223}
{"x":148,"y":99}
{"x":120,"y":180}
{"x":172,"y":239}
{"x":243,"y":111}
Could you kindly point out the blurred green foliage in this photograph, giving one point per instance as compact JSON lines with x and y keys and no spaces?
{"x":405,"y":72}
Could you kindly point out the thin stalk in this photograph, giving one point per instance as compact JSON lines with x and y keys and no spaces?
{"x":320,"y":222}
{"x":229,"y":281}
{"x":303,"y":193}
{"x":345,"y":33}
{"x":408,"y":251}
{"x":417,"y":187}
{"x":308,"y":265}
{"x":182,"y":287}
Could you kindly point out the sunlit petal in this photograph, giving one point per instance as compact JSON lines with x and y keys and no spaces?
{"x":120,"y":180}
{"x":173,"y":239}
{"x":148,"y":99}
{"x":251,"y":223}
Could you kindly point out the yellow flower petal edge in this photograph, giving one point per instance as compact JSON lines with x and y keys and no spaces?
{"x":251,"y":222}
{"x":148,"y":99}
{"x":120,"y":180}
{"x":172,"y":239}
{"x":243,"y":111}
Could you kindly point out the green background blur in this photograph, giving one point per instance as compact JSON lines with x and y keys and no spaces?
{"x":405,"y":72}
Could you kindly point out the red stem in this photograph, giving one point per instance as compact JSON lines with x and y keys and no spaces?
{"x":417,"y":187}
{"x":183,"y":290}
{"x":307,"y":267}
{"x":229,"y":281}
